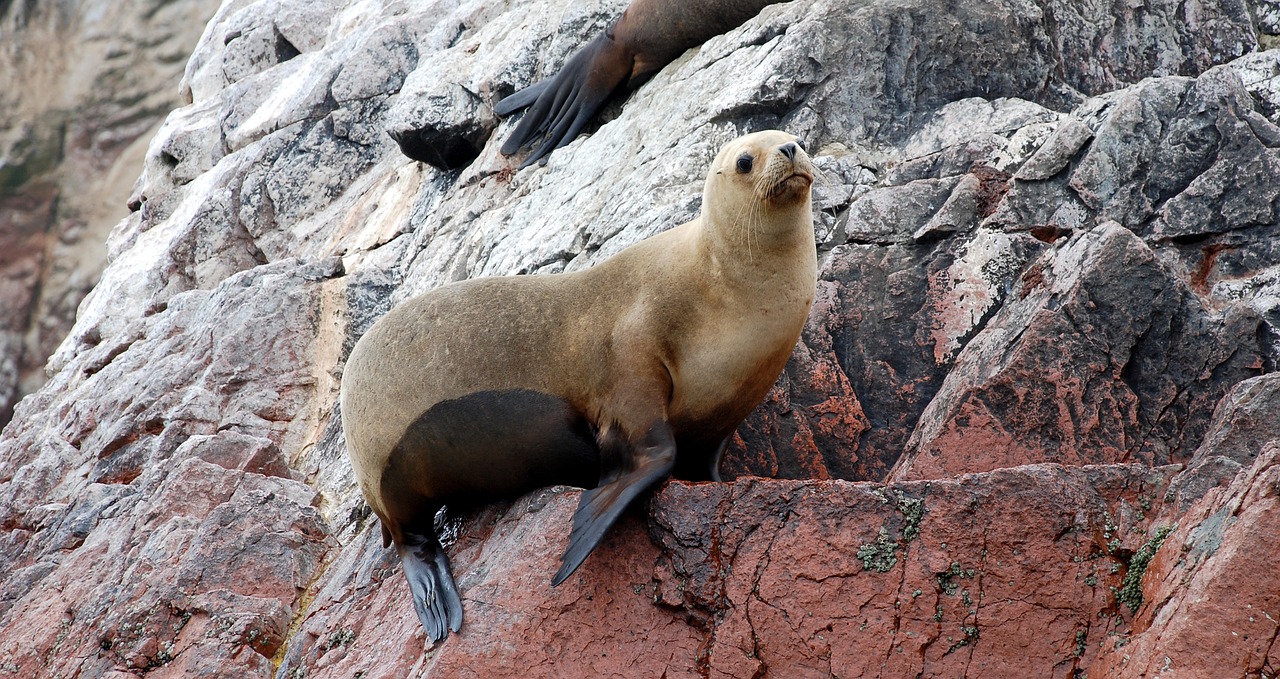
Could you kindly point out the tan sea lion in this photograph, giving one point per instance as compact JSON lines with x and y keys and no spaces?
{"x":609,"y":378}
{"x":649,"y":35}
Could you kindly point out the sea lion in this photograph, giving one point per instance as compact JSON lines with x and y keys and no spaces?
{"x":649,"y":35}
{"x":609,"y":378}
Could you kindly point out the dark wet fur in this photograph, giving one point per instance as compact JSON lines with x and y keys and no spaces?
{"x":511,"y":442}
{"x":491,"y":445}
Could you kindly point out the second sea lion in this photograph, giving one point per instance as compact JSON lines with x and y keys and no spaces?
{"x":649,"y":35}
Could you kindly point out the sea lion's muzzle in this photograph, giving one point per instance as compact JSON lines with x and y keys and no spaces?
{"x":794,"y":181}
{"x":793,"y":185}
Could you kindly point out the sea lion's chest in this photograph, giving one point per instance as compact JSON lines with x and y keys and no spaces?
{"x":732,"y":360}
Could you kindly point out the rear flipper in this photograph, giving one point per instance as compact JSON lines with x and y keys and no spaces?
{"x":599,"y":508}
{"x":560,"y":106}
{"x":435,"y":597}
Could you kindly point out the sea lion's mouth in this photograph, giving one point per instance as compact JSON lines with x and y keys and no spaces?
{"x":795,"y":182}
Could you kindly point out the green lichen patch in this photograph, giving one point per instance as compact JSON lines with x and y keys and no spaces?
{"x":879,"y":556}
{"x":1130,"y":591}
{"x":970,"y":637}
{"x":913,"y":511}
{"x":947,"y":580}
{"x":340,"y":637}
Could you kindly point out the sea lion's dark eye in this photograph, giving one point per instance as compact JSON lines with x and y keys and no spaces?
{"x":744,"y":163}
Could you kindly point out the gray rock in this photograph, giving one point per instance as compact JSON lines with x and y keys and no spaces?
{"x":1101,"y":356}
{"x":1244,"y":421}
{"x":1057,"y":152}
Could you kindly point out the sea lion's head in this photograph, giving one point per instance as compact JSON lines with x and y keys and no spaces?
{"x":760,"y":180}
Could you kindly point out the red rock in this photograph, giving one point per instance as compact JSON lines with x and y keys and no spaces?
{"x":1005,"y":571}
{"x":233,"y":450}
{"x":1211,"y":601}
{"x":196,"y":580}
{"x":1006,"y":574}
{"x":600,"y":622}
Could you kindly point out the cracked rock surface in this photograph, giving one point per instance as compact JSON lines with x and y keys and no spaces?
{"x":1029,"y":429}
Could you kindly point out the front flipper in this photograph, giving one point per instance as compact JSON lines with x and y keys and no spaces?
{"x":562,"y":104}
{"x":435,"y":597}
{"x":717,"y":458}
{"x":654,"y":457}
{"x":521,"y":99}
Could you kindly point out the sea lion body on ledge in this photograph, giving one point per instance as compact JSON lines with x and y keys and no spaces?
{"x":649,"y":35}
{"x":609,"y":378}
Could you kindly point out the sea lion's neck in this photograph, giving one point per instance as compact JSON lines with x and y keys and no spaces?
{"x":757,"y":238}
{"x":752,"y":265}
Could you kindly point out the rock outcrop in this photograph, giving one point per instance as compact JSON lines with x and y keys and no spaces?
{"x":1029,"y":429}
{"x":83,"y":86}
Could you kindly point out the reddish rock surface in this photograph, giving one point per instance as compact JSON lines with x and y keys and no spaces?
{"x":198,"y":578}
{"x":886,"y":327}
{"x":181,"y":541}
{"x":1209,"y":594}
{"x":602,"y":622}
{"x":1005,"y":574}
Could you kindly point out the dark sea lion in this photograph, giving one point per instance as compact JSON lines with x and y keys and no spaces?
{"x":649,"y":35}
{"x":609,"y":378}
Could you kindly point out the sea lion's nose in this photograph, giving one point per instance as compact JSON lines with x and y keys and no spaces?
{"x":789,"y":150}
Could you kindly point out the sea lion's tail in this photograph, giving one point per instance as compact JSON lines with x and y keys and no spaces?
{"x":435,"y":597}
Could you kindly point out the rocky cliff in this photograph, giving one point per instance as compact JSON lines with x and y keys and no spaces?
{"x":1029,"y":430}
{"x":83,"y":87}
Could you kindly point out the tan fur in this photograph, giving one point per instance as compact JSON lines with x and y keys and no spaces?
{"x":654,"y":32}
{"x":691,"y":326}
